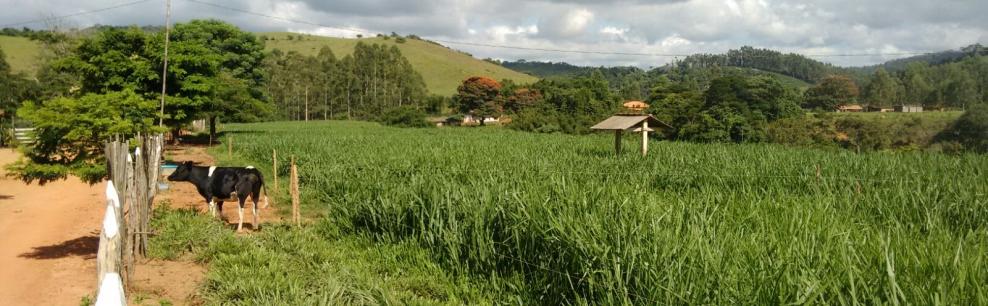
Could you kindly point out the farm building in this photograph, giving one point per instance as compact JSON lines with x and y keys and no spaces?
{"x":879,"y":109}
{"x":471,"y":119}
{"x":909,"y":108}
{"x":851,"y":108}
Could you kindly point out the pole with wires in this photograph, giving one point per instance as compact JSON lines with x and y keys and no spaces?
{"x":164,"y":70}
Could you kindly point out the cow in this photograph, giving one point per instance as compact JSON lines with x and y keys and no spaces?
{"x":219,"y":184}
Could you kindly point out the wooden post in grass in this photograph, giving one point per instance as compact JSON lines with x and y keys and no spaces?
{"x":274,"y":168}
{"x":644,"y":137}
{"x":617,"y":142}
{"x":296,"y":215}
{"x":229,"y":148}
{"x":110,"y":250}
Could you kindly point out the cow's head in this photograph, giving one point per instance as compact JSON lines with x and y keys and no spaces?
{"x":182,"y":172}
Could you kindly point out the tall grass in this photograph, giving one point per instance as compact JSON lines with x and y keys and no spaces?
{"x":313,"y":265}
{"x":562,"y":220}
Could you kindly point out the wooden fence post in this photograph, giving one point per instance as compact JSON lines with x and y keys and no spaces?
{"x":108,"y":254}
{"x":274,"y":168}
{"x":111,"y":291}
{"x":296,"y":215}
{"x":229,"y":148}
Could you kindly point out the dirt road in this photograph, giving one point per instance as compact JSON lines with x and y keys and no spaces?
{"x":48,"y":239}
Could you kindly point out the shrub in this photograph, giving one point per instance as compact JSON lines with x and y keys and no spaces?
{"x":970,"y":130}
{"x":405,"y":116}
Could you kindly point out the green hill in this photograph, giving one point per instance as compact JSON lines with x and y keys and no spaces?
{"x":21,"y":53}
{"x":442,"y":68}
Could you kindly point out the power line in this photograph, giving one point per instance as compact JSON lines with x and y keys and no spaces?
{"x":476,"y":44}
{"x":75,"y":14}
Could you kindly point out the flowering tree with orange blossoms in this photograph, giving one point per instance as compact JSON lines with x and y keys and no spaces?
{"x":479,"y":96}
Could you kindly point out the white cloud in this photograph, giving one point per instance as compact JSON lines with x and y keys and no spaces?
{"x":577,"y":21}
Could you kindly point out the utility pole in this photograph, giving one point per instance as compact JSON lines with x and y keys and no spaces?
{"x":164,"y":71}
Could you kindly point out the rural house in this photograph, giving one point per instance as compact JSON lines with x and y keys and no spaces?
{"x":850,"y":108}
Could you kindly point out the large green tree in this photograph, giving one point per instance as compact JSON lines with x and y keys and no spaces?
{"x":831,"y":92}
{"x":883,"y":90}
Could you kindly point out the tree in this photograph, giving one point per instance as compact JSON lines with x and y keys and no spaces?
{"x":916,"y":83}
{"x":479,"y":97}
{"x":234,"y":58}
{"x":70,"y":132}
{"x":882,"y":90}
{"x":831,"y":92}
{"x":201,"y":50}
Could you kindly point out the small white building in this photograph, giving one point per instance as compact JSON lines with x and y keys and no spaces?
{"x":909,"y":108}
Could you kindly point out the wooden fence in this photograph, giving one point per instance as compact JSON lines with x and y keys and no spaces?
{"x":126,"y":222}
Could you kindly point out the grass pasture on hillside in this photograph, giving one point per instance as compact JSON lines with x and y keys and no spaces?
{"x":21,"y":53}
{"x":558,"y":219}
{"x":442,"y":68}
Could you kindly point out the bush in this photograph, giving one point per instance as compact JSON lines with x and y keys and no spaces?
{"x":970,"y":130}
{"x":70,"y":132}
{"x":405,"y":116}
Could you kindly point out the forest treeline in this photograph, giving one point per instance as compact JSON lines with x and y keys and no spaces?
{"x":363,"y":85}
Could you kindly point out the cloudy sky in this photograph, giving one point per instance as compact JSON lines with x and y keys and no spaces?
{"x":622,"y":29}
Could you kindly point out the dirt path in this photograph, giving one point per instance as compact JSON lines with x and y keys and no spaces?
{"x":49,"y":236}
{"x":48,"y":239}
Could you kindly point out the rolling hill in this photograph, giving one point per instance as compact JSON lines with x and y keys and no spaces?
{"x":442,"y":68}
{"x":21,"y":53}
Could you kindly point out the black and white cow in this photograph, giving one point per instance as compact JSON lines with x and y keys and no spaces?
{"x":219,"y":184}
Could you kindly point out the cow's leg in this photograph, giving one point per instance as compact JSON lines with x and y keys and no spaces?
{"x":212,"y":207}
{"x":253,"y":198}
{"x":240,"y":211}
{"x":219,"y":209}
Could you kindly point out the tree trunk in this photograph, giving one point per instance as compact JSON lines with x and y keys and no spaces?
{"x":212,"y":128}
{"x":306,"y":103}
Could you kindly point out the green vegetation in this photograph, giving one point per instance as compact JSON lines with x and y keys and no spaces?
{"x":405,"y":116}
{"x":314,"y":265}
{"x":21,"y":53}
{"x":107,"y":84}
{"x":442,"y":68}
{"x":970,"y":131}
{"x":373,"y":80}
{"x":560,"y":220}
{"x":866,"y":131}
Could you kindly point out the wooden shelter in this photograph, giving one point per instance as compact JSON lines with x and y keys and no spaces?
{"x":634,"y":122}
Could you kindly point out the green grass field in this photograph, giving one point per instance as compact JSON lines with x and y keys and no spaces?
{"x":21,"y":53}
{"x":443,"y":69}
{"x":557,"y":219}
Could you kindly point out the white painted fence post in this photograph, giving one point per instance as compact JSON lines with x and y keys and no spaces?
{"x":111,"y":292}
{"x":108,"y":257}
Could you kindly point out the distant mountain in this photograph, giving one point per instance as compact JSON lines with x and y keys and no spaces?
{"x":546,"y":69}
{"x":552,"y":70}
{"x":937,"y":58}
{"x":789,"y":64}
